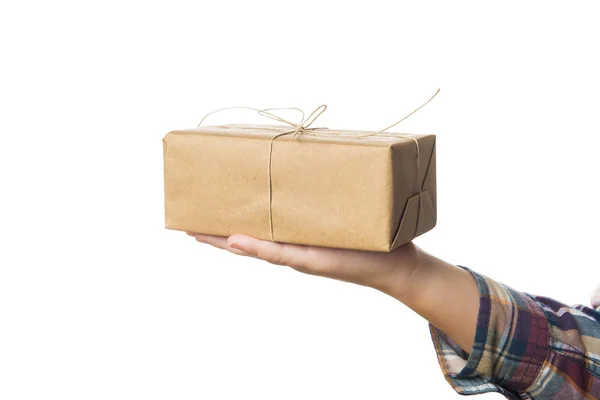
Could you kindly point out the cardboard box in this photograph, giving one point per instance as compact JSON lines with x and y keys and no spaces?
{"x":329,"y":189}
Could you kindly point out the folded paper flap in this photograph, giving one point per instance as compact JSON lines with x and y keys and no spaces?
{"x":326,"y":135}
{"x":425,"y":215}
{"x":413,"y":212}
{"x":429,"y":178}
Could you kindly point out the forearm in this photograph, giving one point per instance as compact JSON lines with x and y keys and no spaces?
{"x":444,"y":294}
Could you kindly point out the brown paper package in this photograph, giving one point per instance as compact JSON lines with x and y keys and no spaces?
{"x":326,"y":190}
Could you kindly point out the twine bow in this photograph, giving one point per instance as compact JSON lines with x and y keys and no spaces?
{"x":303,"y":127}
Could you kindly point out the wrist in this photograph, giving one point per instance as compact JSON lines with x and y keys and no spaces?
{"x":442,"y":293}
{"x":405,"y":262}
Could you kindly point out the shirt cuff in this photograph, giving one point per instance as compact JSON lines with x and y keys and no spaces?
{"x":510,"y":345}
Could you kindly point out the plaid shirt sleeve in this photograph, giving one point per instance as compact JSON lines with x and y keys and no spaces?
{"x":525,"y":347}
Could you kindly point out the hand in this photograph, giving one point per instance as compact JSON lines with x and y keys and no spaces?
{"x":444,"y":294}
{"x":383,"y":271}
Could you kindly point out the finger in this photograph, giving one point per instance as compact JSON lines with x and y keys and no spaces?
{"x":213,"y":240}
{"x":219,"y":242}
{"x":275,"y":253}
{"x":191,"y":233}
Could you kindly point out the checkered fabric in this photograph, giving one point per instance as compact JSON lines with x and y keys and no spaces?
{"x":525,"y":347}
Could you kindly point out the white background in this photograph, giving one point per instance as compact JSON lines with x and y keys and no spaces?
{"x":98,"y":301}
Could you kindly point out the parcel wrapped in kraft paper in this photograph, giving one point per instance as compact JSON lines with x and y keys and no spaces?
{"x":314,"y":186}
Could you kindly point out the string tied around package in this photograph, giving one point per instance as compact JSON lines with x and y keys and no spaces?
{"x":304,"y":128}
